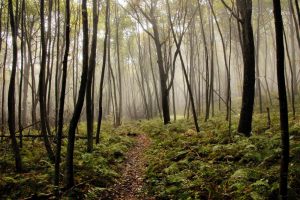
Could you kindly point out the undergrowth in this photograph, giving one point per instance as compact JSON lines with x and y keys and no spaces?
{"x":94,"y":172}
{"x":183,"y":164}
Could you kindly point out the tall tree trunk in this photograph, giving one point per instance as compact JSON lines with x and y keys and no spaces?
{"x":190,"y":92}
{"x":57,"y":64}
{"x":62,"y":99}
{"x":3,"y":114}
{"x":292,"y":59}
{"x":119,"y":113}
{"x":284,"y":124}
{"x":257,"y":57}
{"x":154,"y":79}
{"x":107,"y":27}
{"x":92,"y":65}
{"x":22,"y":71}
{"x":42,"y":93}
{"x":48,"y":61}
{"x":162,"y":73}
{"x":11,"y":91}
{"x":227,"y":65}
{"x":292,"y":70}
{"x":26,"y":80}
{"x":248,"y":49}
{"x":33,"y":87}
{"x":206,"y":62}
{"x":78,"y":108}
{"x":212,"y":67}
{"x":265,"y":66}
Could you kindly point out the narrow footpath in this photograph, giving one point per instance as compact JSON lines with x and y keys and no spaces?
{"x":131,"y":183}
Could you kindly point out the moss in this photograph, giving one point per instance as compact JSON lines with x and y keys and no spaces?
{"x":183,"y":164}
{"x":99,"y":169}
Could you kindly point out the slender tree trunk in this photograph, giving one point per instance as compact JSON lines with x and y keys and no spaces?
{"x":154,"y":79}
{"x":206,"y":62}
{"x":107,"y":24}
{"x":42,"y":93}
{"x":174,"y":105}
{"x":257,"y":57}
{"x":22,"y":71}
{"x":78,"y":108}
{"x":3,"y":114}
{"x":162,"y":73}
{"x":113,"y":80}
{"x":26,"y":78}
{"x":11,"y":91}
{"x":141,"y":79}
{"x":284,"y":124}
{"x":190,"y":92}
{"x":292,"y":68}
{"x":212,"y":67}
{"x":227,"y":65}
{"x":119,"y":113}
{"x":33,"y":87}
{"x":62,"y":99}
{"x":48,"y":61}
{"x":92,"y":65}
{"x":57,"y":64}
{"x":265,"y":75}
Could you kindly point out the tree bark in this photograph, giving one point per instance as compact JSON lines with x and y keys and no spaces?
{"x":107,"y":27}
{"x":60,"y":122}
{"x":257,"y":57}
{"x":162,"y":74}
{"x":92,"y":65}
{"x":3,"y":114}
{"x":11,"y":91}
{"x":42,"y":94}
{"x":22,"y":72}
{"x":78,"y":108}
{"x":248,"y":49}
{"x":284,"y":124}
{"x":119,"y":113}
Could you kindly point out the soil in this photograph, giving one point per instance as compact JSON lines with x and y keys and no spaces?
{"x":131,"y":185}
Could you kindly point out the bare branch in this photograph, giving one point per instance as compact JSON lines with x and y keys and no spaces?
{"x":231,"y":10}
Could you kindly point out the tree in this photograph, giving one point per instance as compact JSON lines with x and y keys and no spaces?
{"x":11,"y":91}
{"x":227,"y":66}
{"x":100,"y":114}
{"x":178,"y":51}
{"x":42,"y":93}
{"x":257,"y":56}
{"x":3,"y":115}
{"x":60,"y":122}
{"x":119,"y":111}
{"x":284,"y":124}
{"x":78,"y":108}
{"x":152,"y":19}
{"x":92,"y":64}
{"x":247,"y":43}
{"x":22,"y":72}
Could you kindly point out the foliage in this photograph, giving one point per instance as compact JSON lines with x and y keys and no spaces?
{"x":187,"y":165}
{"x":182,"y":164}
{"x":94,"y":172}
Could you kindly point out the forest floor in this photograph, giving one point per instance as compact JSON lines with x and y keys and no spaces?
{"x":149,"y":160}
{"x":131,"y":185}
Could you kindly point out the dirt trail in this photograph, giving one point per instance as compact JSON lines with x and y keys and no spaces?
{"x":130,"y":185}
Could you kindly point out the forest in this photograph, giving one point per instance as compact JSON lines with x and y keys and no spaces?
{"x":150,"y":99}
